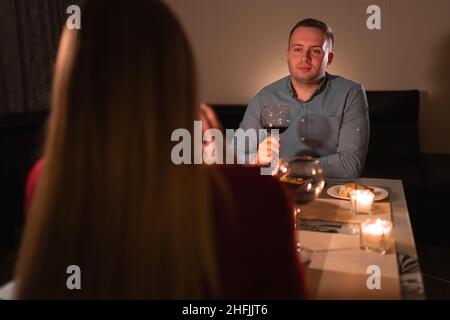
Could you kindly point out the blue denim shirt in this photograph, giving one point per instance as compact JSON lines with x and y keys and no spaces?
{"x":333,"y":125}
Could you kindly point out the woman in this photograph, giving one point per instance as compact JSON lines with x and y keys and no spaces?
{"x":110,"y":200}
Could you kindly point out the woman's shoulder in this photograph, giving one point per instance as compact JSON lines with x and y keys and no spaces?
{"x":251,"y":193}
{"x":247,"y":178}
{"x":256,"y":237}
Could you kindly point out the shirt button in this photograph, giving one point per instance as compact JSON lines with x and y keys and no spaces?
{"x":302,"y":119}
{"x":357,"y":129}
{"x":302,"y":138}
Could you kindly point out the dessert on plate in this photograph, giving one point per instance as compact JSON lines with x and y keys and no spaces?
{"x":345,"y":190}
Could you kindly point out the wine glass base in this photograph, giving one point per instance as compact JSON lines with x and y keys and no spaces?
{"x":305,"y":253}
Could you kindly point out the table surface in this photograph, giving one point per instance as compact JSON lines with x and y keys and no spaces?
{"x":329,"y":283}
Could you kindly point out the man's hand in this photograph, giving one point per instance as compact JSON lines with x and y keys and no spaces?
{"x":267,"y":150}
{"x":209,"y":118}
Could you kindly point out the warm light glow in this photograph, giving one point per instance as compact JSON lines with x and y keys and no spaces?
{"x":376,"y":235}
{"x":375,"y":229}
{"x":362,"y":201}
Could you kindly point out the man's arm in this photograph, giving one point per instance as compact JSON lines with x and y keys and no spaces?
{"x":349,"y":160}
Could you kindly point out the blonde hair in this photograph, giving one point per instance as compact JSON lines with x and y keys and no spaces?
{"x":109,"y":198}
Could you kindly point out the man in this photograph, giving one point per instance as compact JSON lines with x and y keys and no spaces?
{"x":329,"y":114}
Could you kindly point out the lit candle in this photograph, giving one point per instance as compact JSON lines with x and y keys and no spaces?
{"x":376,"y":235}
{"x":362,"y":201}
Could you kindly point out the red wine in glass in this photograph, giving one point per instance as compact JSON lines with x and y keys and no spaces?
{"x":281,"y":128}
{"x":275,"y":117}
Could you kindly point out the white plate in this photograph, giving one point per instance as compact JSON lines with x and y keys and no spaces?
{"x":380,"y":193}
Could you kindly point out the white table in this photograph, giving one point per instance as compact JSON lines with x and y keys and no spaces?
{"x":341,"y":273}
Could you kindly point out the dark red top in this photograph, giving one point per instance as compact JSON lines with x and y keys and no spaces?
{"x":32,"y":180}
{"x":254,"y":240}
{"x":257,"y":257}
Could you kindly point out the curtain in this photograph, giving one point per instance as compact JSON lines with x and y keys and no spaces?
{"x":29,"y":36}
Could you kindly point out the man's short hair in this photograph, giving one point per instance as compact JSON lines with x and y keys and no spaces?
{"x":314,"y":23}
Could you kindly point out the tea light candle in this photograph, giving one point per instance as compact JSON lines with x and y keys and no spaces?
{"x":362,"y":201}
{"x":376,"y":235}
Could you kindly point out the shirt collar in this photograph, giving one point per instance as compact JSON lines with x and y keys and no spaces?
{"x":319,"y":89}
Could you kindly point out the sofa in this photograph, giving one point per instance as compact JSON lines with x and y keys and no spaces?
{"x":394,"y":152}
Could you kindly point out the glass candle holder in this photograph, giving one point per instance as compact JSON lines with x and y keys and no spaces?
{"x":354,"y":228}
{"x":361,"y":201}
{"x":376,"y":235}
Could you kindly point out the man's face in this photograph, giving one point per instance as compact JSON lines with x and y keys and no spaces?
{"x":308,"y":55}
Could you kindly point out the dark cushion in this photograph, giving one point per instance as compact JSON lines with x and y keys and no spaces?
{"x":230,"y":115}
{"x":21,"y":137}
{"x":408,"y":171}
{"x":394,"y":128}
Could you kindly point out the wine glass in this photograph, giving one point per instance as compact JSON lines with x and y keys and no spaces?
{"x":275,"y":117}
{"x":303,"y":178}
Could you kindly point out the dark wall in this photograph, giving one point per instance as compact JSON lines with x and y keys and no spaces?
{"x":29,"y":36}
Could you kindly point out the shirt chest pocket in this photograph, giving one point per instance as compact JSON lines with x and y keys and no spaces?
{"x":323,"y":131}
